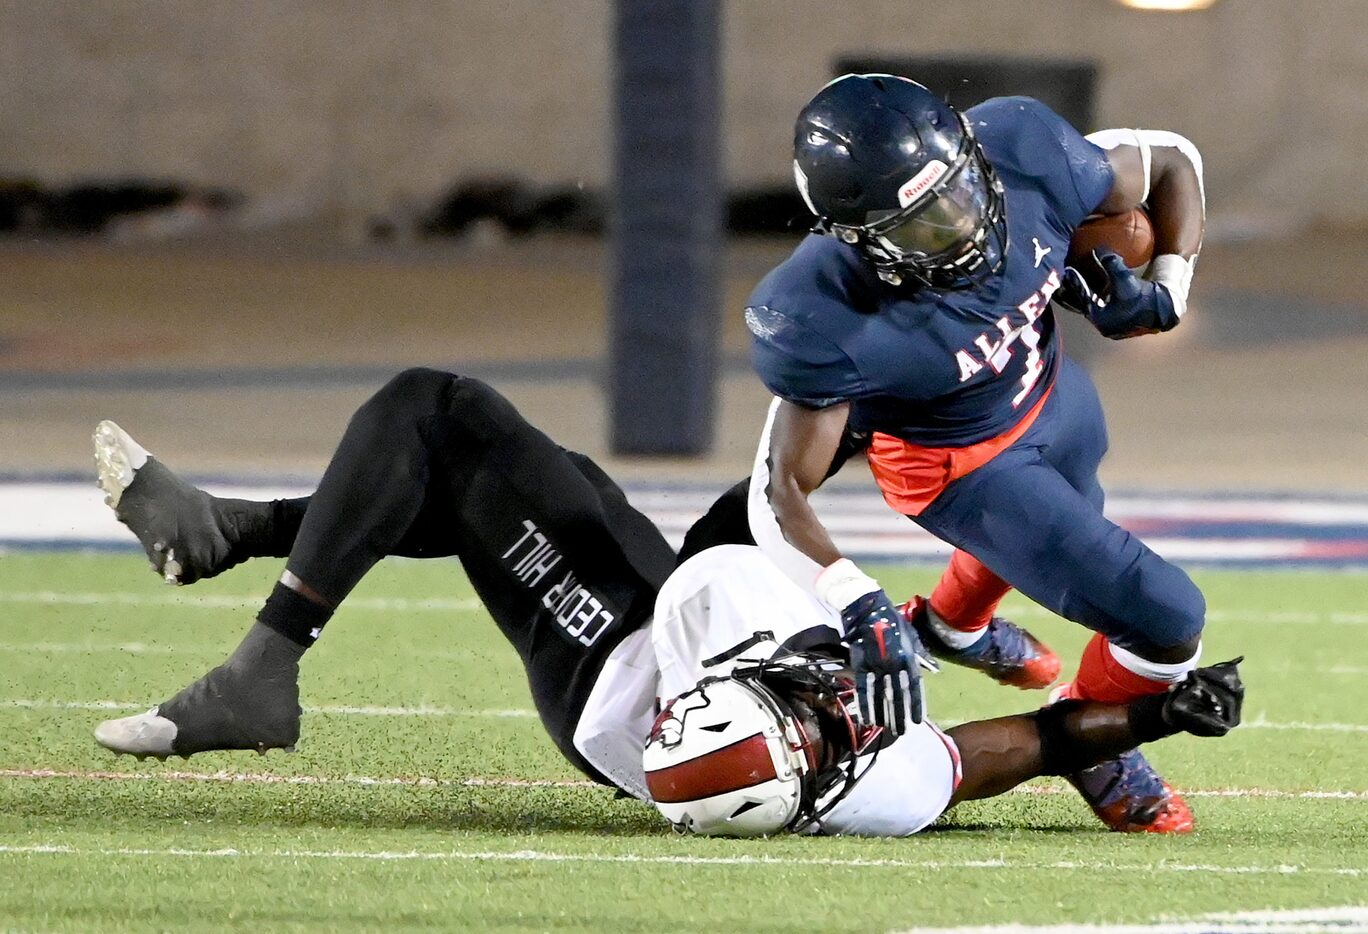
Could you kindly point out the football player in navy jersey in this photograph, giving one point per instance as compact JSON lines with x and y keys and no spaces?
{"x":917,"y":321}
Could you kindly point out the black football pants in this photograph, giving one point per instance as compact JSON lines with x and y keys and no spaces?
{"x":436,"y":464}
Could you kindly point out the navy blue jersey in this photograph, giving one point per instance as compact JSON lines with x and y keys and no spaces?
{"x":938,"y":368}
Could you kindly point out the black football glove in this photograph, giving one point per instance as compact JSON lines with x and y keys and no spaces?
{"x":1207,"y":702}
{"x":1123,"y":305}
{"x":884,"y":649}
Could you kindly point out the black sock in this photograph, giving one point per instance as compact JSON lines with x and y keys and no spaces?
{"x":294,"y":616}
{"x":260,"y":529}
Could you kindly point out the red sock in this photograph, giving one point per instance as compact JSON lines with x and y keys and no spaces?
{"x":968,"y":593}
{"x":1102,"y":678}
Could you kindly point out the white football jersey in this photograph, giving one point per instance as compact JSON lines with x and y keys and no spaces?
{"x":714,"y":602}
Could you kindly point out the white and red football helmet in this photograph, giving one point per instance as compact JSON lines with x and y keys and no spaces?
{"x":736,"y":757}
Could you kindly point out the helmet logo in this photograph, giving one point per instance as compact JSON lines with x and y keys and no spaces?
{"x":919,"y":184}
{"x":668,"y":729}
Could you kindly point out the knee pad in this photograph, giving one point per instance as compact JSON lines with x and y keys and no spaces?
{"x":467,"y":393}
{"x":399,"y":408}
{"x":474,"y":410}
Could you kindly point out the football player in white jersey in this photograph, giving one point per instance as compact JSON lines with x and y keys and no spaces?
{"x":761,"y":734}
{"x":610,"y":623}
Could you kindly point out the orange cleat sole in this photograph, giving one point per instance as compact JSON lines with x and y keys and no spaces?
{"x":1039,"y":672}
{"x":1170,"y":815}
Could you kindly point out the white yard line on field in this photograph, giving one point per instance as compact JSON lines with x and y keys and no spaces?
{"x":263,"y":778}
{"x":1210,"y":792}
{"x":1350,"y":919}
{"x":357,"y":711}
{"x":85,"y":648}
{"x":530,"y":856}
{"x":1261,"y":722}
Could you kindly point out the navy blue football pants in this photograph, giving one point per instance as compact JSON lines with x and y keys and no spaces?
{"x":1033,"y":516}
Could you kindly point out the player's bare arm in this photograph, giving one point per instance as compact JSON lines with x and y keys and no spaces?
{"x":803,"y":443}
{"x":884,"y":648}
{"x":1168,"y":186}
{"x":999,"y":754}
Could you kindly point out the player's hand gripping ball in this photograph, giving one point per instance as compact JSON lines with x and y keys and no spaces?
{"x":1125,"y":305}
{"x":1100,"y":282}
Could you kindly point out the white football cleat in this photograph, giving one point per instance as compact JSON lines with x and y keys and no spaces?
{"x":141,"y":735}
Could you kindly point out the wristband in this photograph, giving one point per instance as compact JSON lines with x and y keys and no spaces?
{"x":1174,"y":273}
{"x":841,"y":583}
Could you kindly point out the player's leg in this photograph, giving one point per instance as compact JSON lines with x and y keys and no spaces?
{"x":563,"y":563}
{"x":1071,"y":434}
{"x":370,"y":495}
{"x":1031,"y":527}
{"x":191,"y":535}
{"x":1028,"y":525}
{"x":1126,"y":792}
{"x":414,"y":473}
{"x":1071,"y":437}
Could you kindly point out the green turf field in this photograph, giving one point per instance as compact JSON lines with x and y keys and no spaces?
{"x":412,"y":801}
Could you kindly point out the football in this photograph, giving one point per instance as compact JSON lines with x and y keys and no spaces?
{"x":1131,"y":235}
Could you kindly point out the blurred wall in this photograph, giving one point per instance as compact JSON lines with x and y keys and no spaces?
{"x":343,"y":105}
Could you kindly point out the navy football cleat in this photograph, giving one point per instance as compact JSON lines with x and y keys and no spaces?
{"x":1008,"y":654}
{"x":1128,"y":795}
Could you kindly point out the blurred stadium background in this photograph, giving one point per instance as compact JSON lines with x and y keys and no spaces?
{"x":284,"y":275}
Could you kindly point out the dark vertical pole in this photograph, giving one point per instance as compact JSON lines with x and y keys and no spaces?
{"x":666,"y":226}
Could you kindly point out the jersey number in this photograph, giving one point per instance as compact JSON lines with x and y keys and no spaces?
{"x":998,"y":353}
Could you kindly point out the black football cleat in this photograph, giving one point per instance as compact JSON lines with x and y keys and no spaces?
{"x":251,"y":701}
{"x":186,"y":532}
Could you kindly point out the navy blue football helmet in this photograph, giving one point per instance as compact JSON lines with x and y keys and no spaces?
{"x":889,"y":167}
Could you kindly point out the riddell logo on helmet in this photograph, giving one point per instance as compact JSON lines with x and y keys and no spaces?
{"x":918,"y":184}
